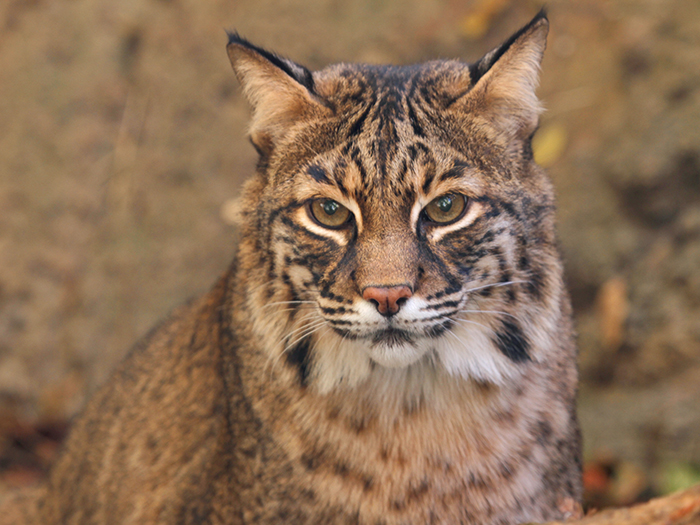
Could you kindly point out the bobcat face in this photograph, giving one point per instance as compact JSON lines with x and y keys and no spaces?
{"x":407,"y":223}
{"x":385,"y":277}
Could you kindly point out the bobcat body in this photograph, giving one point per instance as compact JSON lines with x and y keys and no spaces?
{"x":393,"y":342}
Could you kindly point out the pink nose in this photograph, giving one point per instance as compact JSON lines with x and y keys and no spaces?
{"x":387,"y":300}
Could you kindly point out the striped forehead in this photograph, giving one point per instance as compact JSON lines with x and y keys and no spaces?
{"x":413,"y":169}
{"x":375,"y":153}
{"x":385,"y":152}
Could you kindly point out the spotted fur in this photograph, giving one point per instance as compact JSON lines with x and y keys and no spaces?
{"x":285,"y":395}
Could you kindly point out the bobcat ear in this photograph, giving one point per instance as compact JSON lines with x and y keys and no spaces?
{"x":505,"y":79}
{"x":280,"y":91}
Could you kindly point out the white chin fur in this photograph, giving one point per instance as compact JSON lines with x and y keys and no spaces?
{"x":339,"y":362}
{"x":469,"y":355}
{"x":396,"y":355}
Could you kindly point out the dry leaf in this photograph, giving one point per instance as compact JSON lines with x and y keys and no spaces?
{"x":549,"y":143}
{"x":478,"y":21}
{"x":613,"y":309}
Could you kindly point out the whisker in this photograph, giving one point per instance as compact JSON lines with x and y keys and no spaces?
{"x":318,"y":339}
{"x":259,"y":286}
{"x":487,"y":312}
{"x":494,"y":285}
{"x":277,"y":303}
{"x":455,"y":336}
{"x":305,"y":325}
{"x":309,"y":330}
{"x":469,"y":321}
{"x":302,"y":307}
{"x":271,"y":283}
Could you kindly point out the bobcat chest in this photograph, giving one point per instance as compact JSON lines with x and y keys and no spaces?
{"x":452,"y":450}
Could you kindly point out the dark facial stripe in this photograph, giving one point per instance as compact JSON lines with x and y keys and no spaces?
{"x":457,"y":170}
{"x":439,"y":329}
{"x":438,"y":306}
{"x":511,"y":341}
{"x":536,"y":283}
{"x":298,"y":357}
{"x":326,"y":293}
{"x":318,"y":174}
{"x":429,"y":177}
{"x":416,"y":149}
{"x":357,"y":126}
{"x":441,"y":317}
{"x":335,"y":311}
{"x":341,"y":322}
{"x":333,"y":274}
{"x":417,"y":128}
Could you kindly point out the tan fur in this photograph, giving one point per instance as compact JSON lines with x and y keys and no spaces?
{"x":283,"y":396}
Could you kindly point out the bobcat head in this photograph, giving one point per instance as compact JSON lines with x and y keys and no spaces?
{"x":397,"y":223}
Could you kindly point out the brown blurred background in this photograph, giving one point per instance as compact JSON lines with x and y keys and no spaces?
{"x":122,"y":143}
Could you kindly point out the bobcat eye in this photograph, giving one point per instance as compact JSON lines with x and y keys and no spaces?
{"x":446,"y":209}
{"x":329,"y":213}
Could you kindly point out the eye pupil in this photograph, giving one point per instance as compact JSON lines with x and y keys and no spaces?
{"x":445,"y":203}
{"x":330,"y":207}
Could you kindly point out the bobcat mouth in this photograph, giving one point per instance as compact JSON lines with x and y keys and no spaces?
{"x":392,"y":337}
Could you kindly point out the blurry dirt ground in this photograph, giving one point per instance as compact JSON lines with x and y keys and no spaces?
{"x":122,"y":139}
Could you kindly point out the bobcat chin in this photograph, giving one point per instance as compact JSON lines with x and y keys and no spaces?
{"x":393,"y":341}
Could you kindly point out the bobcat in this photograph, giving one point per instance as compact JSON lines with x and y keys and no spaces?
{"x":393,"y":341}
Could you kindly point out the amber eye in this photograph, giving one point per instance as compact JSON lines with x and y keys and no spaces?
{"x":329,"y":213}
{"x":446,"y":209}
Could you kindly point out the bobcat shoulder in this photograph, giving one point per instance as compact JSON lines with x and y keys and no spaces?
{"x":393,"y":342}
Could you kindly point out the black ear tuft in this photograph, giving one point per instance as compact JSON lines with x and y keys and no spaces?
{"x":504,"y":81}
{"x":294,"y":70}
{"x":280,"y":92}
{"x":478,"y":69}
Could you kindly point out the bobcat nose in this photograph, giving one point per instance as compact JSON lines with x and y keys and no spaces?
{"x":388,"y":299}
